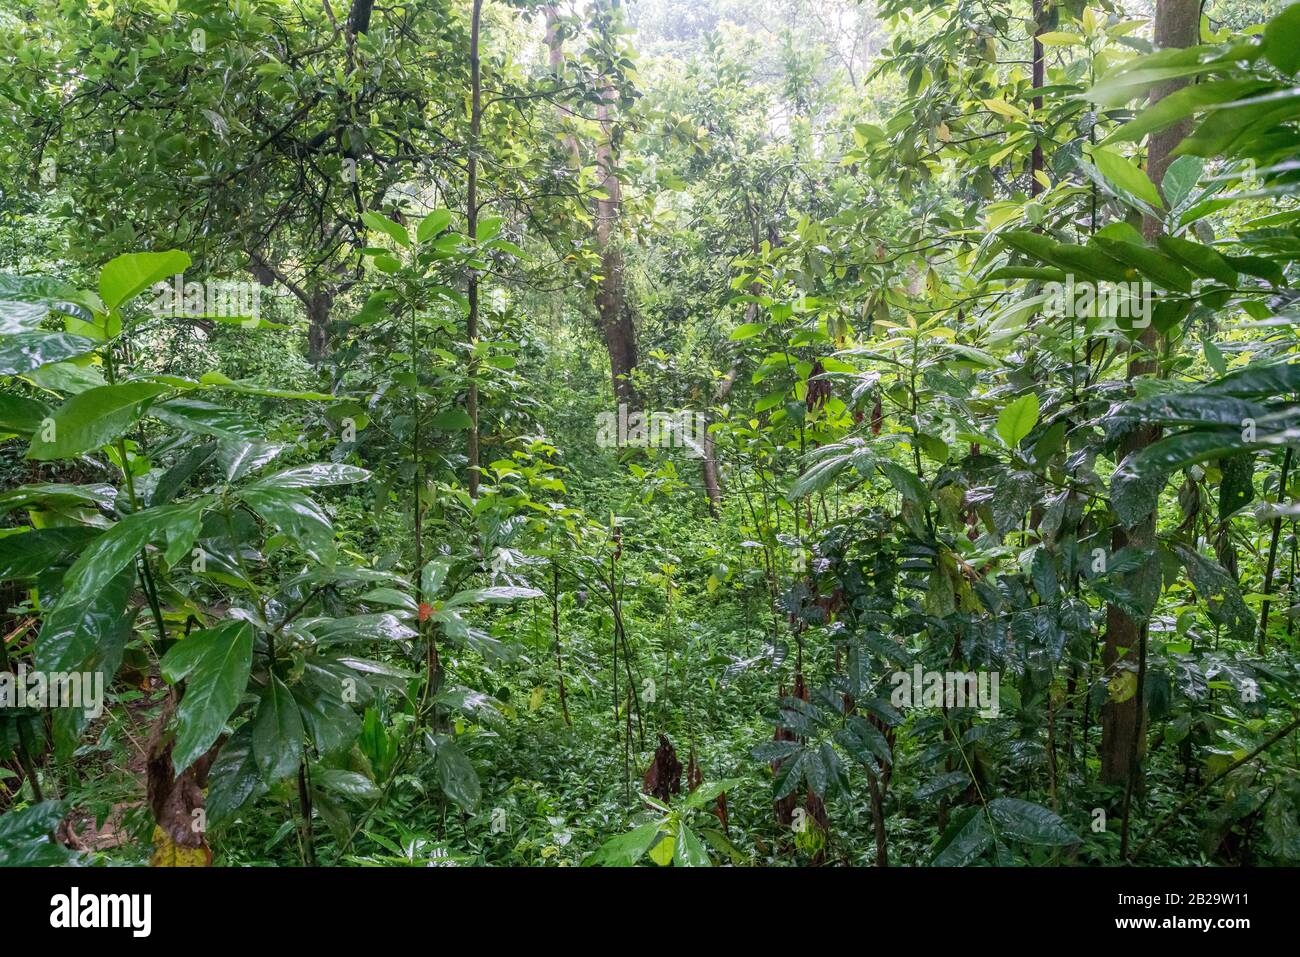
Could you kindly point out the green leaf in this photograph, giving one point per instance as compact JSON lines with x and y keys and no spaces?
{"x":689,"y":849}
{"x":454,"y":770}
{"x":709,"y":792}
{"x":386,"y":226}
{"x":233,"y":780}
{"x":1181,"y":103}
{"x":21,"y":415}
{"x":130,"y":274}
{"x":1257,"y":379}
{"x":624,"y":850}
{"x":297,"y":517}
{"x":496,"y":595}
{"x":1137,"y":482}
{"x":214,"y":663}
{"x":347,"y":783}
{"x":431,"y":225}
{"x":204,"y":418}
{"x":1030,"y":823}
{"x":1181,"y":177}
{"x":1282,"y":40}
{"x":1220,"y":592}
{"x":966,"y":838}
{"x":451,"y":420}
{"x":116,"y":548}
{"x":1126,"y":175}
{"x":90,"y":627}
{"x":1018,"y":419}
{"x":27,"y":837}
{"x":29,"y":553}
{"x":311,"y":476}
{"x":25,"y":351}
{"x":277,"y":733}
{"x":746,"y":331}
{"x":92,"y":419}
{"x":1203,"y":259}
{"x":57,"y":495}
{"x":1237,"y":488}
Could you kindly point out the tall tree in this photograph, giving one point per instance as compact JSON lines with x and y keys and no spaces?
{"x":1177,"y":23}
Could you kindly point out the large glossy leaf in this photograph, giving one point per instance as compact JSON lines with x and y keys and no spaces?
{"x":57,"y":494}
{"x":295,"y":516}
{"x":204,"y":418}
{"x":26,"y":300}
{"x":454,"y":770}
{"x":497,"y":595}
{"x":26,"y":351}
{"x":1264,"y":381}
{"x":1220,"y":592}
{"x":377,"y":627}
{"x":1125,"y":174}
{"x":87,"y":627}
{"x":277,"y":732}
{"x":1182,"y":103}
{"x":625,"y":849}
{"x":31,"y":552}
{"x":1136,"y":484}
{"x":214,"y":664}
{"x":233,"y":780}
{"x":432,"y":224}
{"x":311,"y":476}
{"x":1029,"y":823}
{"x":115,"y":549}
{"x":131,"y":273}
{"x":1018,"y":419}
{"x":21,"y":415}
{"x":27,"y":837}
{"x":965,"y":840}
{"x":92,"y":419}
{"x":1282,"y":40}
{"x":385,"y":225}
{"x":688,"y":851}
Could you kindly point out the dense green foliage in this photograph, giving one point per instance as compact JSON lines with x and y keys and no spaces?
{"x":308,"y":318}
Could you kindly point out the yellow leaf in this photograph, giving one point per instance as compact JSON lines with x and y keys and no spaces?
{"x":536,"y":698}
{"x":944,"y":134}
{"x":167,"y":853}
{"x":1059,"y":39}
{"x":1003,"y":108}
{"x":662,"y":853}
{"x":1042,"y":178}
{"x":1122,"y":687}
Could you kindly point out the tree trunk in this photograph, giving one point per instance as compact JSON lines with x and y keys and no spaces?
{"x":1036,"y":160}
{"x":1177,"y":24}
{"x":611,"y":300}
{"x":319,"y":303}
{"x":471,"y":216}
{"x":615,"y":317}
{"x":555,"y":56}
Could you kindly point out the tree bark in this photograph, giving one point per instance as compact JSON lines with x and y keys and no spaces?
{"x":471,"y":216}
{"x":1036,"y":160}
{"x":319,"y":303}
{"x":1177,"y":24}
{"x":611,"y":299}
